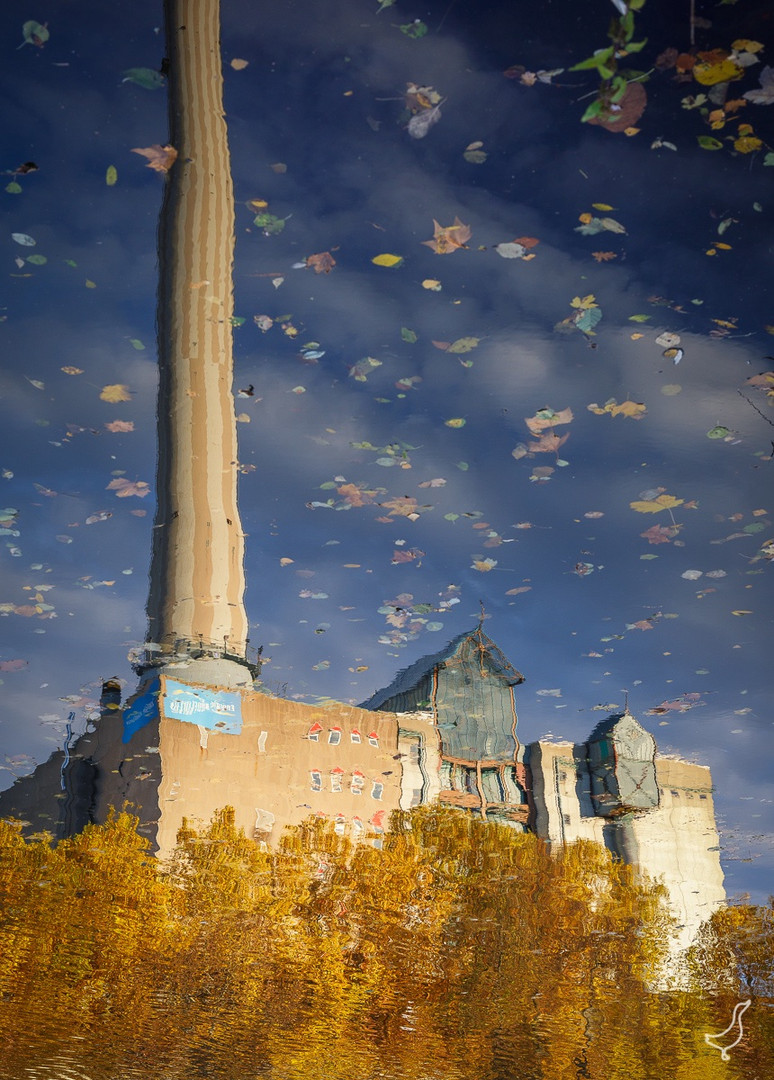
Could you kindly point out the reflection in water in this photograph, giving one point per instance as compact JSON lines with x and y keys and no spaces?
{"x":398,"y":890}
{"x":426,"y":897}
{"x":456,"y":948}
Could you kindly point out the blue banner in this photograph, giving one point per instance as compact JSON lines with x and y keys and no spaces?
{"x":218,"y":710}
{"x":141,"y":710}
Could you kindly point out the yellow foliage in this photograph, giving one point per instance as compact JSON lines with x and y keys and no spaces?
{"x":458,"y":947}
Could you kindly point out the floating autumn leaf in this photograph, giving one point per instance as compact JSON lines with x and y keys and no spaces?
{"x":115,"y":392}
{"x":160,"y":158}
{"x":405,"y":555}
{"x":548,"y":443}
{"x":432,"y":284}
{"x":634,"y":409}
{"x":419,"y":125}
{"x":655,"y":506}
{"x":661,"y":534}
{"x":402,"y":506}
{"x":461,"y":345}
{"x":617,"y":116}
{"x":355,"y":496}
{"x":765,"y":381}
{"x":238,"y":64}
{"x":391,"y":261}
{"x":72,"y":370}
{"x":124,"y":488}
{"x":120,"y":425}
{"x":764,"y":96}
{"x":545,"y":418}
{"x":474,"y":153}
{"x":590,"y":225}
{"x":34,"y":33}
{"x":447,"y":239}
{"x":363,"y":368}
{"x":147,"y":78}
{"x":322,"y":263}
{"x":13,"y":665}
{"x":455,"y":422}
{"x":716,"y":67}
{"x":604,"y":256}
{"x":483,"y":565}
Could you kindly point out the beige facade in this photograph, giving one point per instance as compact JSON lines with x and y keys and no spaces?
{"x":676,"y":843}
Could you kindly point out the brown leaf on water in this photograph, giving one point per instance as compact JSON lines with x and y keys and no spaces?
{"x":160,"y":158}
{"x":124,"y":488}
{"x":548,"y":443}
{"x":322,"y":263}
{"x":120,"y":425}
{"x":661,"y":534}
{"x":447,"y":239}
{"x":604,"y":256}
{"x":626,"y":113}
{"x":545,"y":418}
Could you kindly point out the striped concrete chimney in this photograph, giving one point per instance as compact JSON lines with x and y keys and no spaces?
{"x":196,"y":599}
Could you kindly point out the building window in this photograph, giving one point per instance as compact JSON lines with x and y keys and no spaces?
{"x":675,"y":794}
{"x":315,"y":780}
{"x":377,"y":789}
{"x":356,"y":783}
{"x":340,"y":825}
{"x":334,"y":736}
{"x":702,"y":796}
{"x":355,"y":736}
{"x":566,"y":819}
{"x":336,"y":778}
{"x":357,"y":826}
{"x":373,"y":738}
{"x":313,"y":734}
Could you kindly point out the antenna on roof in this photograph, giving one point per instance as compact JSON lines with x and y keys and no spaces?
{"x":626,"y":701}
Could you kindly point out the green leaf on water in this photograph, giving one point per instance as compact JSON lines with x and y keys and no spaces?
{"x":145,"y":77}
{"x":415,"y":29}
{"x":408,"y":335}
{"x":706,"y":142}
{"x":13,"y":188}
{"x":37,"y":260}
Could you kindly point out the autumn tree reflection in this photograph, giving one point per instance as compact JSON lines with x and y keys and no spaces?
{"x":450,"y":948}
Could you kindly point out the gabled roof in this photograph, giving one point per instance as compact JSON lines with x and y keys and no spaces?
{"x":409,"y":677}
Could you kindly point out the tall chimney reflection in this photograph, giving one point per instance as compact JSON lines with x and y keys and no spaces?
{"x":196,"y":599}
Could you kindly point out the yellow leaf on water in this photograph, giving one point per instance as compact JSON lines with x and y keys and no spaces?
{"x":602,"y":206}
{"x":239,"y":65}
{"x":654,"y":506}
{"x":432,"y":284}
{"x":115,"y":392}
{"x":387,"y":260}
{"x":710,"y":73}
{"x":747,"y":144}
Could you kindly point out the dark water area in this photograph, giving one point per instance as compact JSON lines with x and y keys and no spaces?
{"x":554,"y":420}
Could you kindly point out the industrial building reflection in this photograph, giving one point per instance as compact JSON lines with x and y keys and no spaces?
{"x":443,"y":732}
